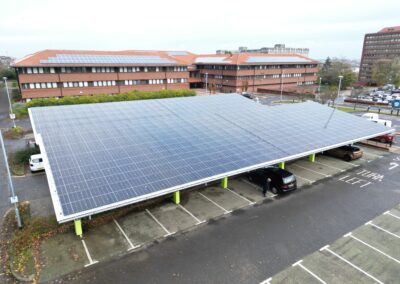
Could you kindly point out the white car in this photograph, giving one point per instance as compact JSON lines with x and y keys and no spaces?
{"x":36,"y":163}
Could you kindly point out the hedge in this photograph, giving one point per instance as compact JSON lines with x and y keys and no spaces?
{"x":22,"y":109}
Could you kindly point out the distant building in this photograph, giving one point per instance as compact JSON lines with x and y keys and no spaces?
{"x":384,"y":44}
{"x":277,"y":49}
{"x":60,"y":73}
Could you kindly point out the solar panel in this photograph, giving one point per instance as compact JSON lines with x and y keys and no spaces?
{"x":177,"y":53}
{"x":106,"y":59}
{"x":211,"y":60}
{"x":276,"y":59}
{"x":102,"y":156}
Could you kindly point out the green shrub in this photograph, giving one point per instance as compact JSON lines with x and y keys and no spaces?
{"x":22,"y":109}
{"x":14,"y":84}
{"x":16,"y":95}
{"x":22,"y":156}
{"x":14,"y":133}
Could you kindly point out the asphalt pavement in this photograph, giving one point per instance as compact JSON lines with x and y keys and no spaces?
{"x":258,"y":242}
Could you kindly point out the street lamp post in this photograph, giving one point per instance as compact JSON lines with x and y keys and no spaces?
{"x":338,"y":91}
{"x":283,"y":71}
{"x":12,"y":115}
{"x":13,"y":198}
{"x":206,"y":82}
{"x":319,"y":85}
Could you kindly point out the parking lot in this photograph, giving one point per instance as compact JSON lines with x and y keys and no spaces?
{"x":369,"y":254}
{"x":154,"y":224}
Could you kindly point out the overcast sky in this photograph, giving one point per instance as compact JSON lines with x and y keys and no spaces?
{"x":328,"y":28}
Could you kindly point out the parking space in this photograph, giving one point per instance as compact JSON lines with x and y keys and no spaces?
{"x":141,"y":228}
{"x":369,"y":254}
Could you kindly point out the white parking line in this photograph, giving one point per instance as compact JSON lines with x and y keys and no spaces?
{"x":306,"y":179}
{"x":267,"y":281}
{"x":373,"y":155}
{"x":382,"y":229}
{"x":161,"y":225}
{"x":330,"y":159}
{"x":390,"y":214}
{"x":131,"y":246}
{"x":242,"y":197}
{"x":372,"y":247}
{"x":311,"y":170}
{"x":269,"y":194}
{"x":219,"y":206}
{"x":309,"y":271}
{"x":365,"y":184}
{"x":194,"y":217}
{"x":91,"y":261}
{"x":332,"y":167}
{"x":351,"y":264}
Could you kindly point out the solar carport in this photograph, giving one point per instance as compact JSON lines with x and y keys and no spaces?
{"x":103,"y":156}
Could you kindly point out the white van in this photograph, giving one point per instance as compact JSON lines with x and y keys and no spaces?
{"x":36,"y":163}
{"x":370,"y":116}
{"x":375,"y":118}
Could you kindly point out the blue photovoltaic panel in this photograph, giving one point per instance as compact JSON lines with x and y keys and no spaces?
{"x":212,"y":60}
{"x":276,"y":59}
{"x":106,"y":59}
{"x":177,"y":53}
{"x":101,"y":156}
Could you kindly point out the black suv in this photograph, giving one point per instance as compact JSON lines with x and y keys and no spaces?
{"x":280,"y":180}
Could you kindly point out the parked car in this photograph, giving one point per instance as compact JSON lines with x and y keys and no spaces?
{"x":347,"y":153}
{"x":36,"y":163}
{"x":387,"y":138}
{"x":280,"y":180}
{"x":247,"y":95}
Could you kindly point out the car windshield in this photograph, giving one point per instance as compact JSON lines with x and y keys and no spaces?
{"x":289,"y":179}
{"x":36,"y":161}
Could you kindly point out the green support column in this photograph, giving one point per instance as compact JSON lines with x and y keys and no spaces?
{"x":281,"y":165}
{"x":176,"y":197}
{"x":311,"y":158}
{"x":224,"y":182}
{"x":78,"y":227}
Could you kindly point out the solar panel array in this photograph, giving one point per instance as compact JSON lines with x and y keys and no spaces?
{"x":211,"y":60}
{"x":112,"y":154}
{"x":106,"y":59}
{"x":276,"y":59}
{"x":177,"y":53}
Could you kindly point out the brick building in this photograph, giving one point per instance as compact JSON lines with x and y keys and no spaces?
{"x":384,"y":44}
{"x":58,"y":73}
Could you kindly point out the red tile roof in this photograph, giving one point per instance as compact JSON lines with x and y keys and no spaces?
{"x":187,"y":58}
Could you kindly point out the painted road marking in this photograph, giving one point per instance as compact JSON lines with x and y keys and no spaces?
{"x":309,"y":271}
{"x":267,"y":281}
{"x":131,"y":246}
{"x":374,"y":155}
{"x":269,"y":194}
{"x":365,"y":184}
{"x":159,"y":223}
{"x":322,"y":174}
{"x":306,"y":179}
{"x":351,"y":264}
{"x":334,"y":159}
{"x":393,"y":165}
{"x":382,"y":229}
{"x":372,"y":247}
{"x":242,"y":197}
{"x":219,"y":206}
{"x":390,"y":214}
{"x":194,"y":217}
{"x":332,"y":167}
{"x":91,"y":261}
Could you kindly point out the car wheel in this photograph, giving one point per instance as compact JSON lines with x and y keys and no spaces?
{"x":274,"y":190}
{"x":347,"y":158}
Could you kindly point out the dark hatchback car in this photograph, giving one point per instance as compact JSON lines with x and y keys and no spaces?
{"x":280,"y":180}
